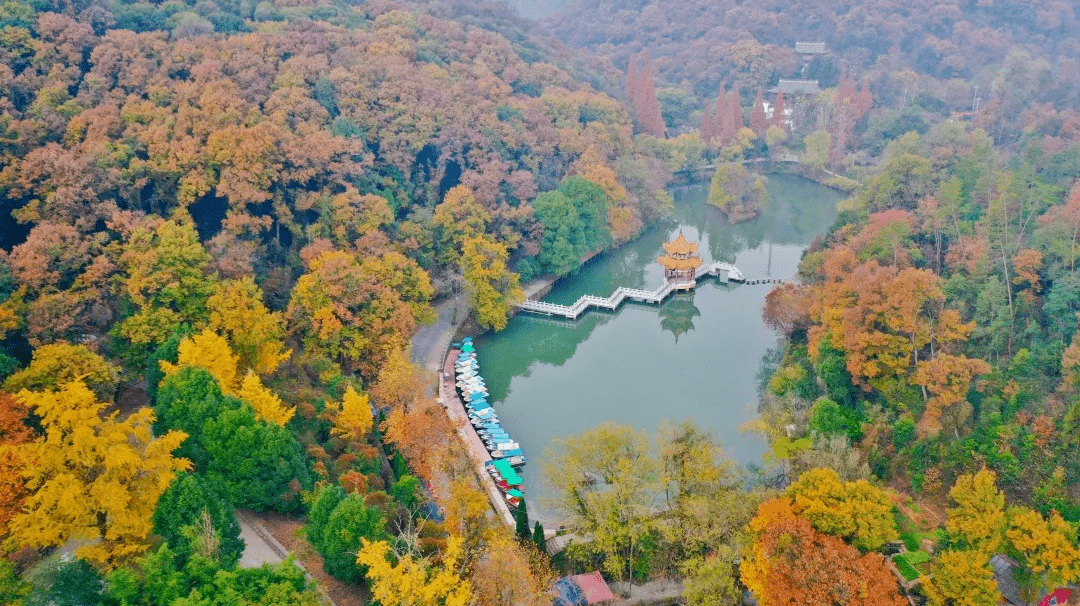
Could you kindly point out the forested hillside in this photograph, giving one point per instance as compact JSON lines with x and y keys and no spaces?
{"x":699,"y":45}
{"x":221,"y":225}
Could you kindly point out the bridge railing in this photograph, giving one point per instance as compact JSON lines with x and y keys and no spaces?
{"x":622,"y":293}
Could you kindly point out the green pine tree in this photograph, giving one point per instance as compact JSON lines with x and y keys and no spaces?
{"x":521,"y":516}
{"x":538,"y":537}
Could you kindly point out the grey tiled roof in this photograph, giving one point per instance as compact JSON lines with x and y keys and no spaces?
{"x":810,"y":48}
{"x":799,"y":87}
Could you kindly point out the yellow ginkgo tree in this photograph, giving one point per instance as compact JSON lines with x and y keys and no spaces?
{"x":354,"y":420}
{"x":256,"y":334}
{"x":415,"y":582}
{"x":93,"y":480}
{"x":211,"y":351}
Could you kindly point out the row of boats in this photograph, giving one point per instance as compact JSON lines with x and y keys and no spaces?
{"x":506,"y":454}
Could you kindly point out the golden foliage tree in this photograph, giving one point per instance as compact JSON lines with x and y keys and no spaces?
{"x":93,"y":478}
{"x":855,"y":511}
{"x":355,"y":313}
{"x":399,"y":382}
{"x":977,"y":522}
{"x":1046,"y":547}
{"x":510,"y":574}
{"x":211,"y":351}
{"x":267,"y":405}
{"x":164,"y":276}
{"x":415,"y":582}
{"x":458,"y":218}
{"x":59,"y":363}
{"x":207,"y":350}
{"x":256,"y":334}
{"x":962,"y":578}
{"x":493,"y":288}
{"x":355,"y":420}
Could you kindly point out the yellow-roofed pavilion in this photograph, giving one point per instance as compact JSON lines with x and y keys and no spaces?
{"x":681,"y":261}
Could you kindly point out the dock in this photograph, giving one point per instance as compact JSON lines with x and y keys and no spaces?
{"x":622,"y":294}
{"x":473,"y":444}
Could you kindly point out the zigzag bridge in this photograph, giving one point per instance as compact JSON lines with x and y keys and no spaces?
{"x":573,"y":312}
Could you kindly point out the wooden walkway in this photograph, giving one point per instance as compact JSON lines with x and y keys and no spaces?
{"x":622,"y":294}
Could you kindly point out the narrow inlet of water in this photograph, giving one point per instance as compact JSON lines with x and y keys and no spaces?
{"x":697,"y":357}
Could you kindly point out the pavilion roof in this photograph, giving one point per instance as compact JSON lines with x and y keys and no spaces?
{"x":680,"y":264}
{"x":680,"y":246}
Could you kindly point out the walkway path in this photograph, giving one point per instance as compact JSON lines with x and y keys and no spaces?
{"x":430,"y":342}
{"x":260,"y":547}
{"x":572,"y":312}
{"x":473,"y":444}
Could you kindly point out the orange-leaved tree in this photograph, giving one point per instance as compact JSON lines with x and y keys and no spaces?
{"x":791,"y":563}
{"x":13,"y":432}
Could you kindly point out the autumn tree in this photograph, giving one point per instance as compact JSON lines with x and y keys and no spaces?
{"x":948,"y":378}
{"x":510,"y":574}
{"x":493,"y":288}
{"x":603,"y":481}
{"x":779,"y":120}
{"x":458,"y":218}
{"x":962,"y":577}
{"x":354,"y":420}
{"x":13,"y":433}
{"x":791,"y":563}
{"x":1045,"y":547}
{"x":855,"y":511}
{"x":977,"y":522}
{"x":408,"y":581}
{"x":786,"y":309}
{"x":342,"y":310}
{"x":59,"y":363}
{"x":883,"y":317}
{"x":758,"y":121}
{"x":422,"y":432}
{"x":164,"y":279}
{"x":91,"y":477}
{"x":643,"y":97}
{"x":255,"y":334}
{"x":707,"y":507}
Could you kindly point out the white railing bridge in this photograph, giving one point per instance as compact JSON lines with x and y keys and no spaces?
{"x":621,"y":294}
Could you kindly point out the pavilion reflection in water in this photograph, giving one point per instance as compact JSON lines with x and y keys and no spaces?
{"x":677,"y":315}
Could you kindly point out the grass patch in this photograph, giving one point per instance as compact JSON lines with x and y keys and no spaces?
{"x":911,"y":540}
{"x":909,"y":563}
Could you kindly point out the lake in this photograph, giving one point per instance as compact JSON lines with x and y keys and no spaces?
{"x":697,"y":357}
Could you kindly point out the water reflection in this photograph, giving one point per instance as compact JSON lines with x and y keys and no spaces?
{"x":549,"y":377}
{"x":677,"y":315}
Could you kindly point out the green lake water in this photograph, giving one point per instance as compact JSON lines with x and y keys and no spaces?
{"x":697,"y":357}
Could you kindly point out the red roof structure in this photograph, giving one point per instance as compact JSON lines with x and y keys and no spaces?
{"x":594,"y":587}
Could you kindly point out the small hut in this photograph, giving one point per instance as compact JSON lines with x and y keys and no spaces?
{"x":681,"y":261}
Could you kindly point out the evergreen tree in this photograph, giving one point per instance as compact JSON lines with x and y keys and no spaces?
{"x":757,"y":117}
{"x":538,"y":537}
{"x":632,"y":78}
{"x":521,"y":517}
